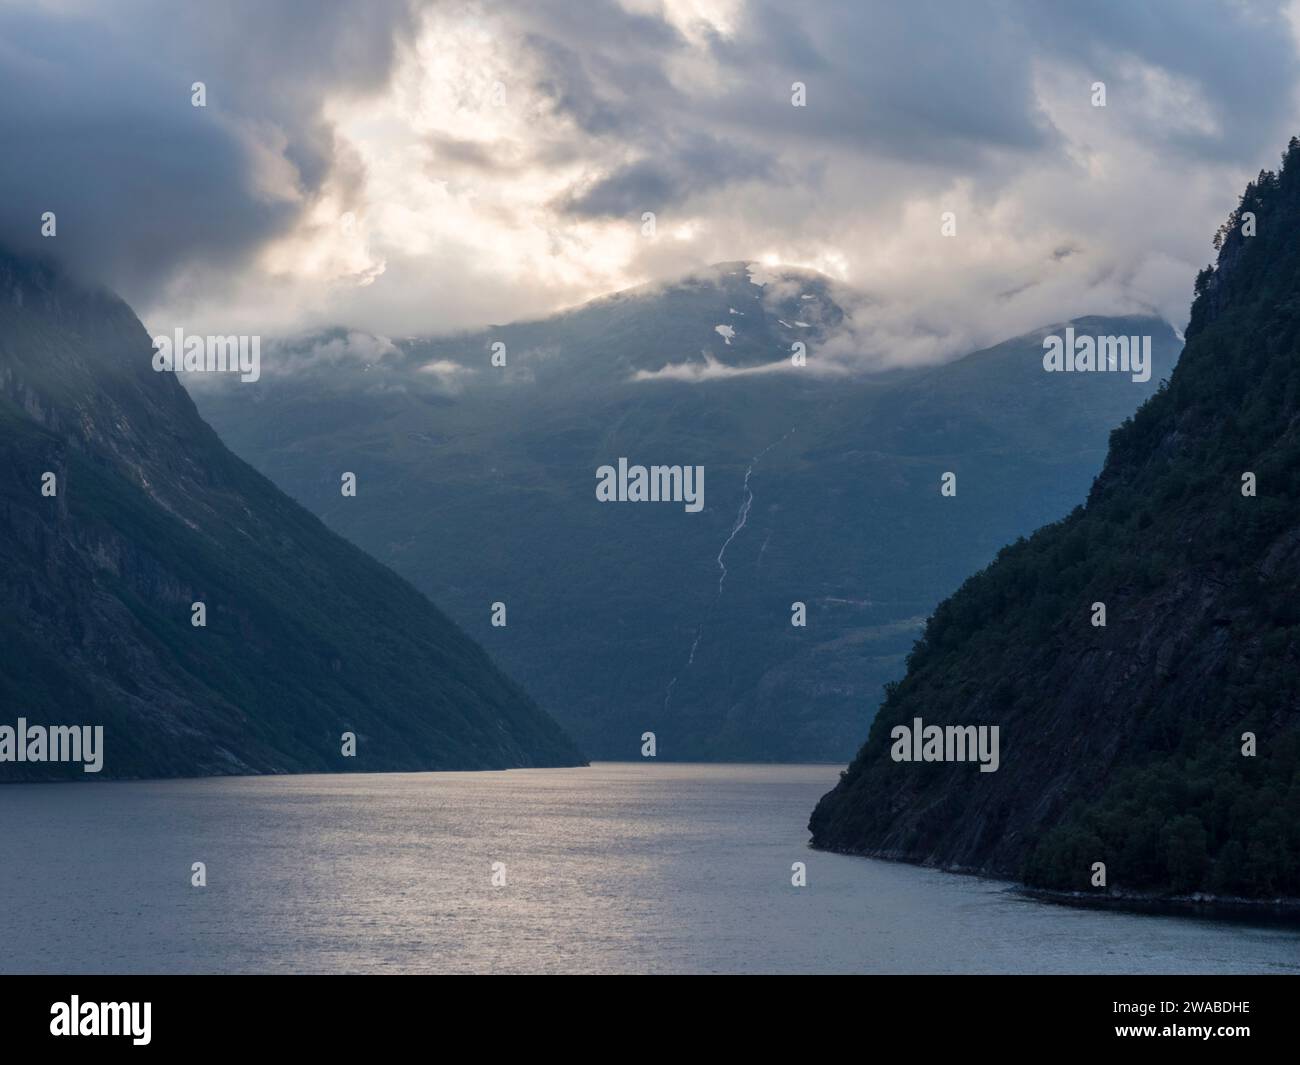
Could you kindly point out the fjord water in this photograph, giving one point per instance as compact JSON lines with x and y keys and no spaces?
{"x":615,"y":868}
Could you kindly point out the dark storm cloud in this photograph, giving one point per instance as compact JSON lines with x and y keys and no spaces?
{"x":596,"y":109}
{"x":937,"y":82}
{"x":926,"y":81}
{"x":946,"y":85}
{"x":680,"y":169}
{"x":1240,"y":56}
{"x":611,"y":112}
{"x":96,"y":125}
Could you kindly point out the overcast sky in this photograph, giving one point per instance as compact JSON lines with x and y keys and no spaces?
{"x":418,"y":168}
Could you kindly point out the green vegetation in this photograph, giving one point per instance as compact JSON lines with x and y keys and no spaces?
{"x":1202,"y":821}
{"x":1123,"y":744}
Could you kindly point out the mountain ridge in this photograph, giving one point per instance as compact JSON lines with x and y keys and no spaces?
{"x":482,"y":480}
{"x":306,"y":637}
{"x":1126,"y":744}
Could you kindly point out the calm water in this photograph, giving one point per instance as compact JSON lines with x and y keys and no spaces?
{"x":616,"y":868}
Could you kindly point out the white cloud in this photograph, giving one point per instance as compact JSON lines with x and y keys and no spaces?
{"x":495,"y":161}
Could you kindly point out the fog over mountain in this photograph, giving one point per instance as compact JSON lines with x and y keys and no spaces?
{"x":477,"y":459}
{"x":413,"y":168}
{"x":156,"y":586}
{"x":1140,"y":659}
{"x":649,"y":486}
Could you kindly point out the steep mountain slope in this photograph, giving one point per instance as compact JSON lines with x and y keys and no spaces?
{"x":1123,"y":744}
{"x":306,"y":637}
{"x":479,"y":486}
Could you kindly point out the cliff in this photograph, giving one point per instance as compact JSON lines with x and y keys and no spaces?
{"x":1126,"y":744}
{"x":306,"y":637}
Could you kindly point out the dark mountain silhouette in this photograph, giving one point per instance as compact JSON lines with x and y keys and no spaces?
{"x":306,"y":637}
{"x":1124,"y":744}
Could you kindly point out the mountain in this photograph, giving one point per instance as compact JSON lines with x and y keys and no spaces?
{"x":306,"y":637}
{"x":1126,"y":744}
{"x":479,"y":483}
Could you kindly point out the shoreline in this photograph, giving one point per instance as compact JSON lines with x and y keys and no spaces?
{"x":1284,"y":911}
{"x":1226,"y":908}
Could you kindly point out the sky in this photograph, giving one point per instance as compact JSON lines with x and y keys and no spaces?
{"x":404,"y":168}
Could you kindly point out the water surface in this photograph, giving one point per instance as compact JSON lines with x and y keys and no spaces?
{"x":616,"y":868}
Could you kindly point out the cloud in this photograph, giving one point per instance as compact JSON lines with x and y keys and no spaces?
{"x":408,"y":167}
{"x":680,"y":168}
{"x":97,"y":123}
{"x":710,"y":369}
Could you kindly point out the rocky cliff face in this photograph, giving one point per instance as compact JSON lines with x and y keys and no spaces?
{"x":306,"y":637}
{"x":1128,"y":744}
